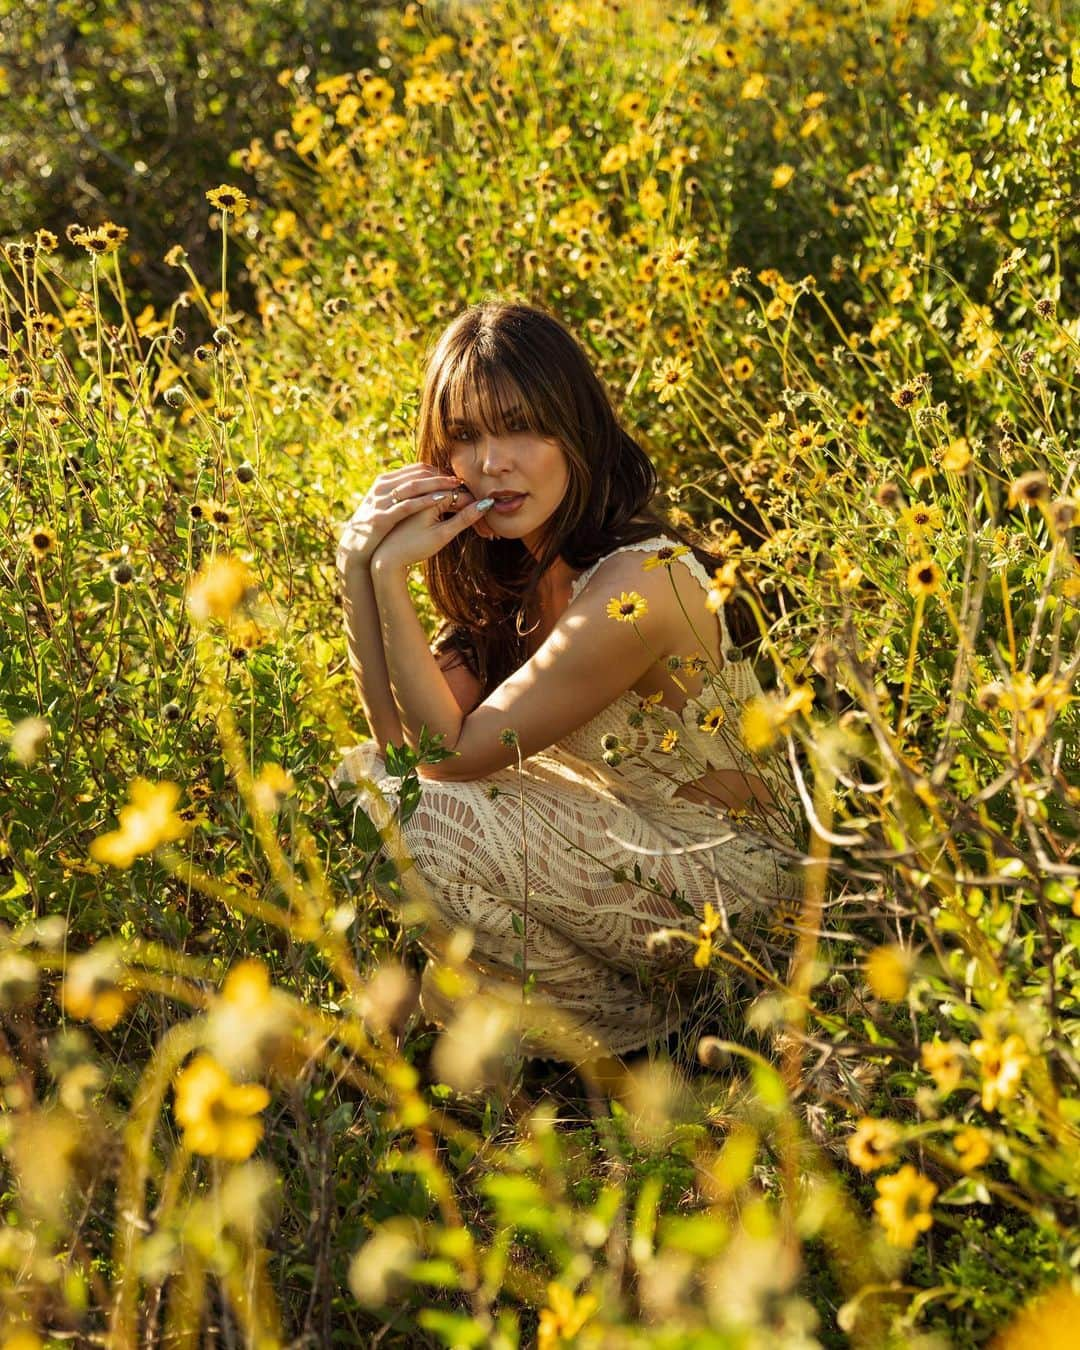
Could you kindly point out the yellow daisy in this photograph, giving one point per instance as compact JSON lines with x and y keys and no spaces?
{"x":628,"y":608}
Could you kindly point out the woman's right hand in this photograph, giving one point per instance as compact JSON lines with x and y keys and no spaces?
{"x":392,"y":497}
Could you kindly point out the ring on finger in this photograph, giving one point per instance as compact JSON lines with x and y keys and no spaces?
{"x":394,"y":497}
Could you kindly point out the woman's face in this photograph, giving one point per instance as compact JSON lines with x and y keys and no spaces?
{"x":526,"y":471}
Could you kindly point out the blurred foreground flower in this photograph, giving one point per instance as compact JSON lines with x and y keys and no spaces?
{"x":708,"y":926}
{"x":147,"y":822}
{"x":28,"y":738}
{"x":871,"y":1145}
{"x":888,"y":972}
{"x":250,"y":1021}
{"x":92,"y":991}
{"x":972,"y":1148}
{"x":903,"y":1205}
{"x":219,"y":1117}
{"x":1002,"y":1064}
{"x":1048,"y":1322}
{"x":564,"y":1316}
{"x":218,"y":587}
{"x":943,"y":1061}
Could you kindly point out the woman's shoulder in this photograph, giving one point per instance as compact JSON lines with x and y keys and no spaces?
{"x":637,"y":560}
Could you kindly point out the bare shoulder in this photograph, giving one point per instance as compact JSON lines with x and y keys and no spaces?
{"x":667,"y":589}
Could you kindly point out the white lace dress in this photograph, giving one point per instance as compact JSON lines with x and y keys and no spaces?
{"x":588,"y":824}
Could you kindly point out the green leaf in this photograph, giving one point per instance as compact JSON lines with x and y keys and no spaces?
{"x":454,"y":1328}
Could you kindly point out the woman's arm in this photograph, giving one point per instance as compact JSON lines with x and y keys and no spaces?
{"x":417,"y":686}
{"x":366,"y":655}
{"x":585,"y":663}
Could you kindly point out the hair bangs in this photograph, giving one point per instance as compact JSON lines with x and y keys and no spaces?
{"x":481,"y":393}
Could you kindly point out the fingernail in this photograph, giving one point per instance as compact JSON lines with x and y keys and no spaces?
{"x":437,"y":496}
{"x":483,"y":505}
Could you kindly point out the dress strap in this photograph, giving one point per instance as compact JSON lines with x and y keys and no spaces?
{"x":652,"y":545}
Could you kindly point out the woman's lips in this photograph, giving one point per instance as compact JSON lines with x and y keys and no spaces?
{"x":509,"y":504}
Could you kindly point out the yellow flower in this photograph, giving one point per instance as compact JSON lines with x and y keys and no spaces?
{"x":800,"y":700}
{"x":677,"y":254}
{"x":145,"y":823}
{"x":903,"y":1205}
{"x":922,"y":517}
{"x":725,"y":579}
{"x":782,"y":175}
{"x":229,"y":199}
{"x":1046,"y":1322}
{"x":669,"y":741}
{"x":883,"y":328}
{"x":753,"y":87}
{"x":218,"y":1117}
{"x":956,"y":456}
{"x":632,"y":104}
{"x":888,"y":973}
{"x":742,"y":368}
{"x":558,"y":137}
{"x":564,"y":1316}
{"x":713,"y":720}
{"x":347,"y":110}
{"x":665,"y":556}
{"x":378,"y":94}
{"x":924,"y":577}
{"x":564,"y":17}
{"x":775,"y":309}
{"x":1002,"y":1064}
{"x":943,"y":1061}
{"x":806,"y":437}
{"x":651,"y":200}
{"x":708,"y":926}
{"x":858,"y":415}
{"x":91,"y":990}
{"x":670,"y":373}
{"x":250,"y":1019}
{"x":41,"y":540}
{"x":616,"y":158}
{"x":972,"y":1148}
{"x":760,"y":725}
{"x":219,"y":586}
{"x":872,"y":1144}
{"x":628,"y":608}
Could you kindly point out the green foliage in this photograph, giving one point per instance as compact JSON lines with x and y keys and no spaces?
{"x":127,"y":112}
{"x":880,"y":1139}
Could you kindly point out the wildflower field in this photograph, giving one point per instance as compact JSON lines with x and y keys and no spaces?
{"x":824,"y":256}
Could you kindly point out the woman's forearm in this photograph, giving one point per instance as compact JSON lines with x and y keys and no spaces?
{"x":418,"y":687}
{"x":366,"y":655}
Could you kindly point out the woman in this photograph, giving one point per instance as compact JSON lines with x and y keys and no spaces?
{"x":577,"y":636}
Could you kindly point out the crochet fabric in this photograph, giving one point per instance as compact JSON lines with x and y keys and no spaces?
{"x":587,"y":823}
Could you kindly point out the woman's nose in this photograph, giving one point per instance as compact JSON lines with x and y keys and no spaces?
{"x":494,"y":457}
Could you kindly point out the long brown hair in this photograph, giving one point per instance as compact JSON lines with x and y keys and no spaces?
{"x":494,"y":356}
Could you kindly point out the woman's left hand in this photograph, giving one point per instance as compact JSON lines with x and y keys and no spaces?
{"x":423,"y":533}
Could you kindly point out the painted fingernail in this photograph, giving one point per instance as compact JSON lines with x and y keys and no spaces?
{"x":483,"y":505}
{"x":437,"y":496}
